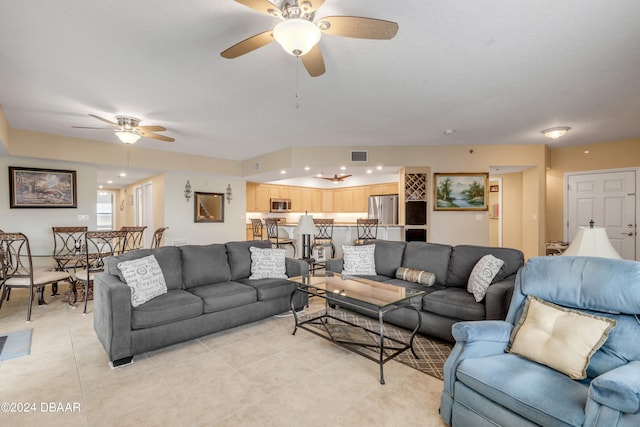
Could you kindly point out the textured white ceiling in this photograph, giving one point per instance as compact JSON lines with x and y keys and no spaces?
{"x":495,"y":71}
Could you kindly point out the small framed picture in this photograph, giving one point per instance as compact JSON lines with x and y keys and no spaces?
{"x":321,"y":254}
{"x":494,"y":189}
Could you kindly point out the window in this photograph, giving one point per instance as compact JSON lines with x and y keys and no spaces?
{"x":104,"y":211}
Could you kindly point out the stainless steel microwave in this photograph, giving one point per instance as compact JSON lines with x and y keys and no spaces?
{"x":280,"y":205}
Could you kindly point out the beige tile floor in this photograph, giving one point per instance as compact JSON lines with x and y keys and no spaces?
{"x":254,"y":375}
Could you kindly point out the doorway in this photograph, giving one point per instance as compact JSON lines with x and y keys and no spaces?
{"x":609,"y":199}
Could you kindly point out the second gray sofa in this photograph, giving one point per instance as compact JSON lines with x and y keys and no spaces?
{"x":447,"y":301}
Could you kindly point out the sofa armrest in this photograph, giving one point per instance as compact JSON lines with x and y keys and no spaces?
{"x":619,"y":388}
{"x":112,"y":315}
{"x":498,"y":298}
{"x":334,"y":264}
{"x":296,"y":267}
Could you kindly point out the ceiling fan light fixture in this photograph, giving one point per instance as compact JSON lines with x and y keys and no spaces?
{"x":297,"y":36}
{"x":555,"y":133}
{"x":128,"y":137}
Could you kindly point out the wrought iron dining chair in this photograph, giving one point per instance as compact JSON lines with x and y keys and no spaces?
{"x":324,"y":234}
{"x":156,"y":242}
{"x":67,"y":246}
{"x":18,"y":272}
{"x":98,"y":246}
{"x":273,"y":234}
{"x":257,"y":228}
{"x":134,"y":237}
{"x":367,"y":229}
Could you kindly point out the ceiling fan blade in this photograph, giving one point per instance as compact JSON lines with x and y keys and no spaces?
{"x":104,"y":120}
{"x":152,"y":128}
{"x":314,"y":62}
{"x":358,"y":27}
{"x":156,"y":136}
{"x":262,"y":6}
{"x":248,"y":45}
{"x":88,"y":127}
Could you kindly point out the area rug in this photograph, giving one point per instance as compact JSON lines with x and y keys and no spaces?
{"x":431,"y":352}
{"x":16,"y":344}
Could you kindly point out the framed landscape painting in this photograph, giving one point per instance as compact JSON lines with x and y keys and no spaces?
{"x":42,"y":188}
{"x":460,"y":191}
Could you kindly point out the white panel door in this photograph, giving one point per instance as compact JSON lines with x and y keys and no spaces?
{"x":607,"y":198}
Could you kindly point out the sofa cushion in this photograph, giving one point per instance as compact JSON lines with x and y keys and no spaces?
{"x":359,"y":259}
{"x":482,"y":275}
{"x":268,"y":263}
{"x":240,"y":258}
{"x":173,"y":306}
{"x":454,"y":303}
{"x":560,"y":338}
{"x":225,"y":295}
{"x":269,"y":288}
{"x":168,"y":258}
{"x":204,"y":265}
{"x":523,"y":387}
{"x":431,"y":257}
{"x":464,"y":258}
{"x":388,"y":256}
{"x":144,"y":278}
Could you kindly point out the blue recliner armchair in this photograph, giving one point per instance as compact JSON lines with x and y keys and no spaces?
{"x":486,"y":386}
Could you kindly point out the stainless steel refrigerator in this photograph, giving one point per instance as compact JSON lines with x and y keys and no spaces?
{"x":385,"y":208}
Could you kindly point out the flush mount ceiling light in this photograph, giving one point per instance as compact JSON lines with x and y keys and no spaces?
{"x":555,"y":133}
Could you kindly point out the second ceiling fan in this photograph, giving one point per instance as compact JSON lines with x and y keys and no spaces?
{"x":299,"y":35}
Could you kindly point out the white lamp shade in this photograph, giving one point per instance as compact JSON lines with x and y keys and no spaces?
{"x":306,"y":225}
{"x":592,"y":242}
{"x":127,"y":137}
{"x":296,"y":36}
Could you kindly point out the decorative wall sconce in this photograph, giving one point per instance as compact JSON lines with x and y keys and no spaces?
{"x":187,"y":191}
{"x":229,"y":193}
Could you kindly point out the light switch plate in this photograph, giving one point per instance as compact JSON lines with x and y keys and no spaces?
{"x":83,"y":217}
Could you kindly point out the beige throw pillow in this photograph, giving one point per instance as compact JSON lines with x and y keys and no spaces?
{"x":558,"y":337}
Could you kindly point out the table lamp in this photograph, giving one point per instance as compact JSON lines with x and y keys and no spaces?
{"x":306,"y":229}
{"x":592,"y":241}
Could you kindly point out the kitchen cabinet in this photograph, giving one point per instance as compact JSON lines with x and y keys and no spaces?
{"x":251,"y":196}
{"x":280,"y":192}
{"x":316,"y":200}
{"x":327,"y":200}
{"x":263,"y":194}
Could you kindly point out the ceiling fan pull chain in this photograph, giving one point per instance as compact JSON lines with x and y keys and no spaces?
{"x":297,"y":82}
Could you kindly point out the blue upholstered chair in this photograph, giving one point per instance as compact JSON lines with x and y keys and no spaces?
{"x":486,"y":386}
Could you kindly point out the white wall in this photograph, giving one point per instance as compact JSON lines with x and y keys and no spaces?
{"x":179,"y":213}
{"x":37,"y":223}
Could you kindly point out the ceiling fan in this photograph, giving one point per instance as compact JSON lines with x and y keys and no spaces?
{"x":299,"y":35}
{"x":128,"y":131}
{"x":335,"y":179}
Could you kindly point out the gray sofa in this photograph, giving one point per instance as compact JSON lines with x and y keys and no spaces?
{"x":208,"y":291}
{"x":447,"y":301}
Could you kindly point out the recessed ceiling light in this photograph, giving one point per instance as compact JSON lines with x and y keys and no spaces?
{"x":343,"y":168}
{"x":448,"y":131}
{"x":319,"y":175}
{"x":379,"y":168}
{"x":555,"y":133}
{"x":109,"y":182}
{"x":282,"y":172}
{"x":122,"y":174}
{"x":100,"y":186}
{"x":307,"y":168}
{"x":369,"y":171}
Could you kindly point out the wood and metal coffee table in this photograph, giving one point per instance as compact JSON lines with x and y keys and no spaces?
{"x":377,"y":298}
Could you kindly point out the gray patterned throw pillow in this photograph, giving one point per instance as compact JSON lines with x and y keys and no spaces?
{"x":482,"y":275}
{"x":268,"y":263}
{"x":145,"y":278}
{"x":359,"y":259}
